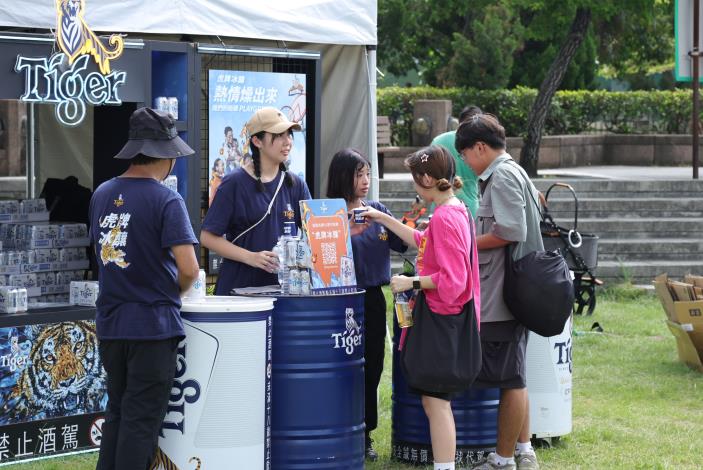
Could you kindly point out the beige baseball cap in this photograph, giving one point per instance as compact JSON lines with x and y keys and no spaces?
{"x":270,"y":120}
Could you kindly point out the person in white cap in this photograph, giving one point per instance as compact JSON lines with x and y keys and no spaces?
{"x":252,"y":205}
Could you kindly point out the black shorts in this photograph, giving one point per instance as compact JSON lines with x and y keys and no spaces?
{"x":440,"y":395}
{"x":504,"y":348}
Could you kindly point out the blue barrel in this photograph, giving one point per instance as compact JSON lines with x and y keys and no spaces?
{"x":475,"y":415}
{"x":318,"y":382}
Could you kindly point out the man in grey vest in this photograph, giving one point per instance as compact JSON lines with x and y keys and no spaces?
{"x":505,"y":216}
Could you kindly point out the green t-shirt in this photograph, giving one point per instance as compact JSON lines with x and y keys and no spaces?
{"x":469,"y":192}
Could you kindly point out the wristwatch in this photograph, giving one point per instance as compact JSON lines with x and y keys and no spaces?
{"x":416,"y":283}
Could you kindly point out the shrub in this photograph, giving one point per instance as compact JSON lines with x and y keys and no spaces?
{"x":571,"y":112}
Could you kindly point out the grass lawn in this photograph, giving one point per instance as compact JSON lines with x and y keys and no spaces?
{"x":635,"y":405}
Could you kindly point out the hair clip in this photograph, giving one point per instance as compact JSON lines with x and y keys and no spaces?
{"x":424,"y":157}
{"x":475,"y":118}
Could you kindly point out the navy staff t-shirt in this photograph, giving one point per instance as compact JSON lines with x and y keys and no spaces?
{"x":372,"y":257}
{"x":133,"y":224}
{"x":238,"y":205}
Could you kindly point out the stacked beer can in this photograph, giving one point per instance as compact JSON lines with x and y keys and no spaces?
{"x":293,"y":265}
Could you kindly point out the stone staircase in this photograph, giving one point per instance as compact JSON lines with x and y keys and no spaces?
{"x":645,"y":227}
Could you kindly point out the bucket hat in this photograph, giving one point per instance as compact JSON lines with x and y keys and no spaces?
{"x":153,"y":133}
{"x":270,"y":120}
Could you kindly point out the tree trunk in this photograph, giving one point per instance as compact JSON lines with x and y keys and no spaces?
{"x":529,"y":156}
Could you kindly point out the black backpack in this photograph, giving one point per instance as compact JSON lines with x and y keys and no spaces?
{"x":538,"y":288}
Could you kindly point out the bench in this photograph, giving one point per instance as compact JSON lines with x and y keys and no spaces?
{"x":383,"y":141}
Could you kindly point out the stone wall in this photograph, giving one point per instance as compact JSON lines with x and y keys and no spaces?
{"x":584,"y":150}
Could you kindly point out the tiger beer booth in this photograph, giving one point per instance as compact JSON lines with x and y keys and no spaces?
{"x":71,"y":73}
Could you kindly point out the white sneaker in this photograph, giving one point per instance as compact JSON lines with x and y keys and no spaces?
{"x":526,"y":461}
{"x":490,"y":464}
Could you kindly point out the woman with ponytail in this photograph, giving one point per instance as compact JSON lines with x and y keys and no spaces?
{"x":448,"y":272}
{"x":242,"y":200}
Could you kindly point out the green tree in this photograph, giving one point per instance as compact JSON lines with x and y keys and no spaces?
{"x":547,"y":15}
{"x":451,"y":42}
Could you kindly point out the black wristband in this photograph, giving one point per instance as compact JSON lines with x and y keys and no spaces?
{"x":416,"y":283}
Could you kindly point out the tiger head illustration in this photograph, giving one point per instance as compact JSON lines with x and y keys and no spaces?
{"x":74,"y":36}
{"x":64,"y":374}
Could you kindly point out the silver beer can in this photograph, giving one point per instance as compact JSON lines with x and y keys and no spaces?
{"x":291,"y":251}
{"x":173,"y":107}
{"x":294,"y":282}
{"x":304,"y":282}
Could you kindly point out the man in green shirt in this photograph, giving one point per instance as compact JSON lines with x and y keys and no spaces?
{"x":469,"y":192}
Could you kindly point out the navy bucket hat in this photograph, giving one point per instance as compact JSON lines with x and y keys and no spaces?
{"x":153,"y":133}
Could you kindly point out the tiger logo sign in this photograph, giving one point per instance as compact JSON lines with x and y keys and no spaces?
{"x":75,"y":37}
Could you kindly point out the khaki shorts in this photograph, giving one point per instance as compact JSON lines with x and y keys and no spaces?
{"x":504,"y":347}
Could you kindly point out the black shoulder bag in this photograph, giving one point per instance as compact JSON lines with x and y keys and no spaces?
{"x":538,"y":289}
{"x":442,"y":353}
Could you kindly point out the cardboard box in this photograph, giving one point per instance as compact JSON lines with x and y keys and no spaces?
{"x":685,"y":321}
{"x":688,"y":353}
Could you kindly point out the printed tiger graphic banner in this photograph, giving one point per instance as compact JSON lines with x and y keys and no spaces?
{"x":50,"y":371}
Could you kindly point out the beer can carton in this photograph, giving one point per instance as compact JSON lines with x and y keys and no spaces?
{"x":42,"y":256}
{"x":173,"y":107}
{"x":63,"y":278}
{"x":294,"y":282}
{"x":3,"y":280}
{"x":83,"y":293}
{"x":22,"y":300}
{"x":41,"y":279}
{"x":161,"y":103}
{"x":14,"y":258}
{"x":171,"y":182}
{"x":29,"y":257}
{"x":50,"y":278}
{"x":9,"y":207}
{"x":54,"y":255}
{"x":23,"y":280}
{"x":8,"y":299}
{"x":71,"y":231}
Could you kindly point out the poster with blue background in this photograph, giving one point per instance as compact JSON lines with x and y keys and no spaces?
{"x":234,"y":96}
{"x":50,"y":371}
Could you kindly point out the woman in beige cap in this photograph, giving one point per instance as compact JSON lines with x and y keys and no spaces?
{"x":253,"y":204}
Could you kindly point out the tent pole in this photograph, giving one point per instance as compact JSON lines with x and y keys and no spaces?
{"x":373,"y":145}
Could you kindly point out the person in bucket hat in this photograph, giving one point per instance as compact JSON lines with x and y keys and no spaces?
{"x":144,"y":247}
{"x":253,"y":204}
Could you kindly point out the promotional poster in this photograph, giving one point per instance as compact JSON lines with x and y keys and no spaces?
{"x":52,"y":389}
{"x":326,"y":228}
{"x":233,"y":98}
